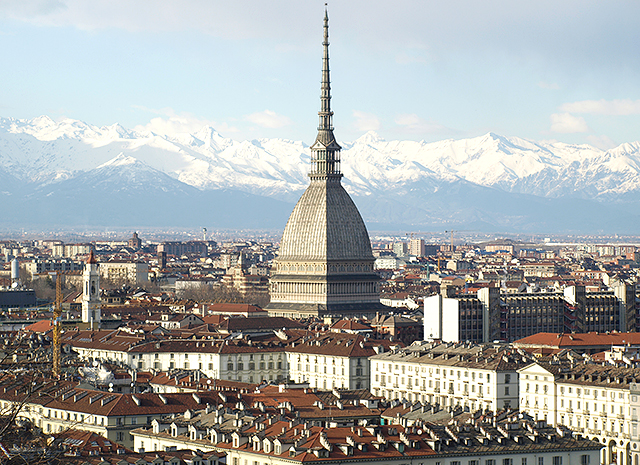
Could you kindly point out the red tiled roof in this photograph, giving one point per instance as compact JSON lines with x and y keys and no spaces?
{"x":560,"y":340}
{"x":352,"y":325}
{"x":41,"y":326}
{"x":234,"y":308}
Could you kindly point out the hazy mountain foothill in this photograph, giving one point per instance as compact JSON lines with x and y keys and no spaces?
{"x":72,"y":174}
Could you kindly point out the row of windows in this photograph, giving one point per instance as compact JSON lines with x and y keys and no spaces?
{"x":555,"y":460}
{"x":453,"y":373}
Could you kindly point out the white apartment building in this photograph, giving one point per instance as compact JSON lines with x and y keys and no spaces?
{"x":324,"y":360}
{"x":333,"y":360}
{"x":234,"y":360}
{"x":249,"y":440}
{"x":60,"y":405}
{"x":477,"y":377}
{"x":122,"y":271}
{"x":591,"y":399}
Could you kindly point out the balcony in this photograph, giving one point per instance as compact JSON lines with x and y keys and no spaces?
{"x":621,"y":416}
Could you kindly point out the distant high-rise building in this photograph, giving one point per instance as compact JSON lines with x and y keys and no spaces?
{"x":400,"y":249}
{"x":416,"y":247}
{"x":325,"y":263}
{"x":493,"y":315}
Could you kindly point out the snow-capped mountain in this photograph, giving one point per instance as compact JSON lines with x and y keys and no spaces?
{"x":488,"y":182}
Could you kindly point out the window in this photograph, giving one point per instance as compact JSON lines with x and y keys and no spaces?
{"x":524,"y":461}
{"x":540,"y":460}
{"x":557,"y":460}
{"x":507,"y":380}
{"x":507,"y":461}
{"x":490,"y":462}
{"x":473,"y":462}
{"x":454,"y":462}
{"x":506,"y":390}
{"x":584,"y":459}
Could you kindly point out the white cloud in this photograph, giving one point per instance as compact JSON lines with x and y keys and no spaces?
{"x":268,"y":119}
{"x":604,"y":107}
{"x":366,"y":121}
{"x":170,"y":123}
{"x":21,"y":9}
{"x":413,"y":123}
{"x":602,"y":142}
{"x":566,"y":123}
{"x":548,"y":85}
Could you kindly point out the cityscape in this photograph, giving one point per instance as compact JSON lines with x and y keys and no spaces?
{"x":318,"y":313}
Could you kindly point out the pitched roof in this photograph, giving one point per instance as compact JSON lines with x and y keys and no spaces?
{"x":568,"y":340}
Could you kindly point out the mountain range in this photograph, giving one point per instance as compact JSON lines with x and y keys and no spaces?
{"x":72,"y":174}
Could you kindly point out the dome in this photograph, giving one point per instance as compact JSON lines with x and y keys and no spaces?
{"x":325,"y":225}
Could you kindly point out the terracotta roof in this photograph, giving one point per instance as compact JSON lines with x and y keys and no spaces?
{"x":337,"y":344}
{"x":42,"y":326}
{"x":247,"y":324}
{"x":568,"y":340}
{"x":87,"y":443}
{"x":234,"y":308}
{"x":351,"y":325}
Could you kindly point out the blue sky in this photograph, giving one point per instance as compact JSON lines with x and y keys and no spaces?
{"x":412,"y":69}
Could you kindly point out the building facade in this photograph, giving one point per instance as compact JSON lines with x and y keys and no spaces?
{"x":590,"y":399}
{"x":492,"y":314}
{"x":470,"y":376}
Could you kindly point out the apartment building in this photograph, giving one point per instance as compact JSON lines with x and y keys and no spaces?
{"x":333,"y":360}
{"x":55,"y":406}
{"x":488,"y":440}
{"x":124,"y":271}
{"x":472,"y":376}
{"x":590,"y":399}
{"x":235,"y":360}
{"x":324,"y":360}
{"x":492,"y":314}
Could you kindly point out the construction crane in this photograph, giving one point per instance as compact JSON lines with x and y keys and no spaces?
{"x":57,"y":327}
{"x":455,"y":231}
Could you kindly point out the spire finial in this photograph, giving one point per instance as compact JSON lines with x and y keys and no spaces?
{"x":325,"y":152}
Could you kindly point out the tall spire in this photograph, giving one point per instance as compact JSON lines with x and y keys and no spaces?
{"x":325,"y":152}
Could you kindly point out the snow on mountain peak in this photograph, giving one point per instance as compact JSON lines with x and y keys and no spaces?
{"x":42,"y":121}
{"x":370,"y":137}
{"x":120,"y":160}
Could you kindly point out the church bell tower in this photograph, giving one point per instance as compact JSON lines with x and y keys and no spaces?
{"x":91,"y":292}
